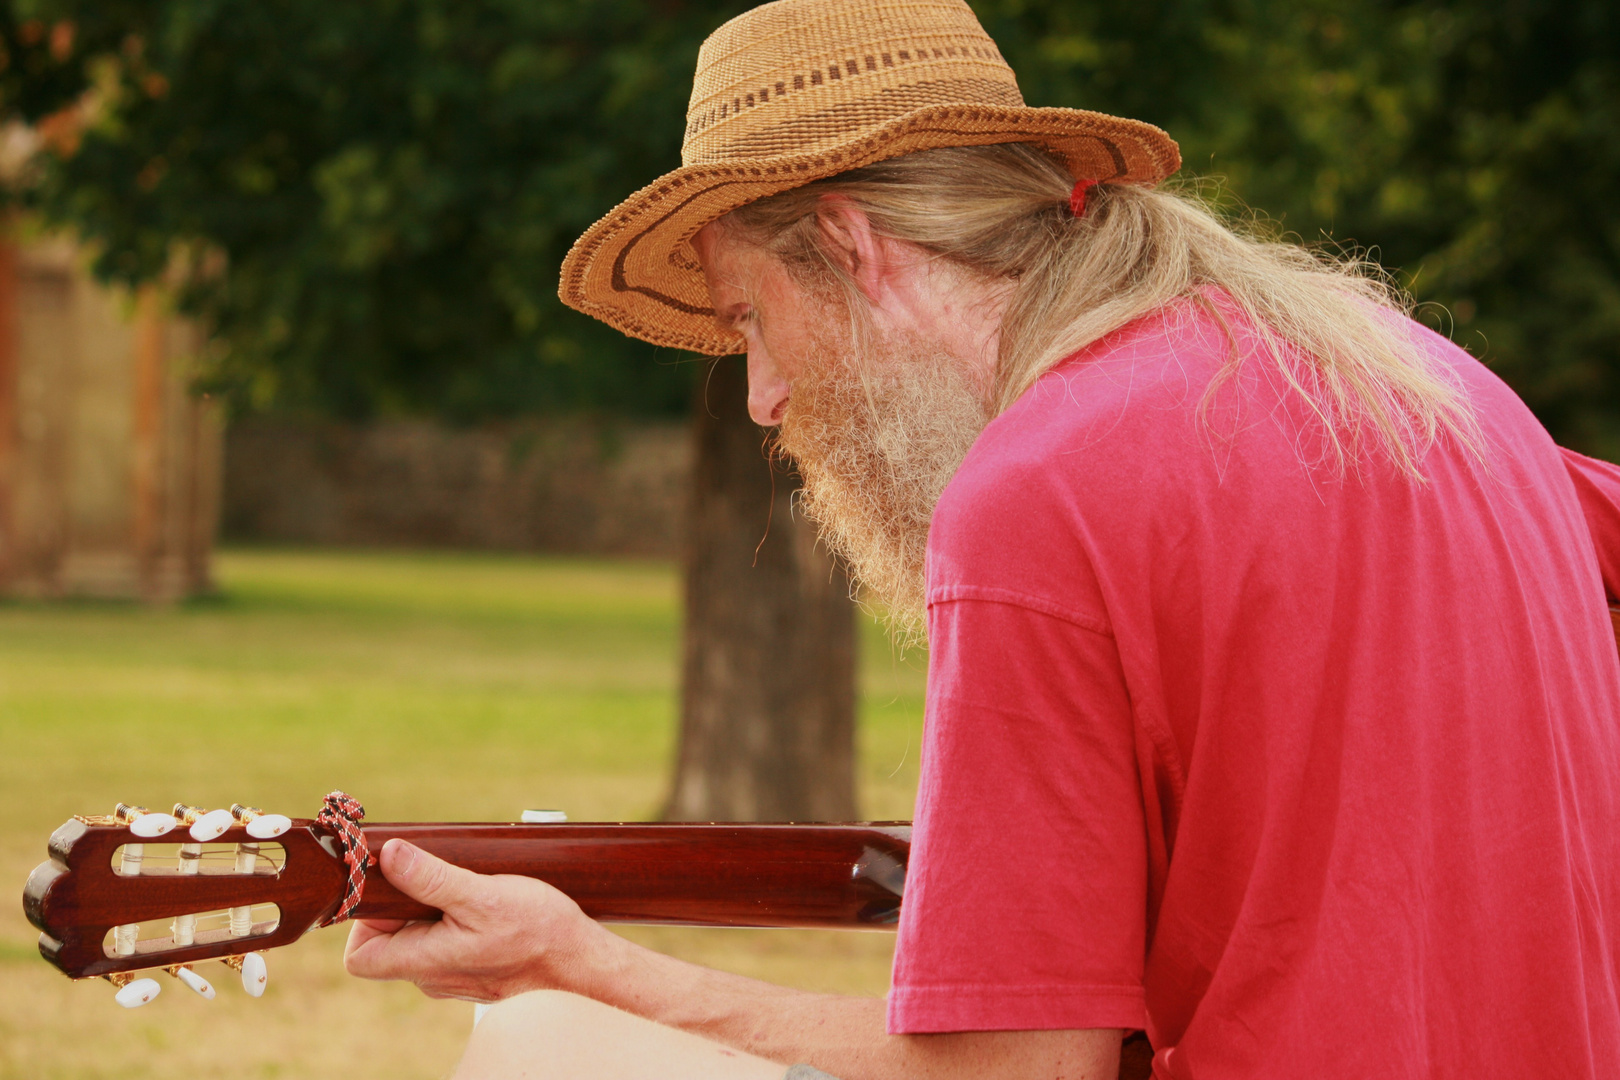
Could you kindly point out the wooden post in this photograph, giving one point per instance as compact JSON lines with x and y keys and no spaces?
{"x":200,"y":511}
{"x":147,"y":521}
{"x":8,"y":409}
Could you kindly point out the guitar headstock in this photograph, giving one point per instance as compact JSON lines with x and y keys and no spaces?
{"x":134,"y":891}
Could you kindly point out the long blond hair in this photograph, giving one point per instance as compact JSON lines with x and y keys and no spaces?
{"x":1330,"y":322}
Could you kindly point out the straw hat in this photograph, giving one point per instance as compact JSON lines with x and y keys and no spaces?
{"x":797,"y":90}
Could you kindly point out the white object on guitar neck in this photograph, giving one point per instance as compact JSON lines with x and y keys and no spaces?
{"x":193,"y":981}
{"x":137,"y":992}
{"x":211,"y":825}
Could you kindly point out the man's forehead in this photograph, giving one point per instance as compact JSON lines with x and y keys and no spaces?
{"x":737,"y":273}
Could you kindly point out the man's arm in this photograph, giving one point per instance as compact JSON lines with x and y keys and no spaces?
{"x":845,"y":1036}
{"x":502,"y":936}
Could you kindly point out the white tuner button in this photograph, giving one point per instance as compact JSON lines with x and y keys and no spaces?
{"x":138,"y":993}
{"x":254,"y":974}
{"x":210,"y":825}
{"x":266,"y":826}
{"x":195,"y":981}
{"x":150,"y":825}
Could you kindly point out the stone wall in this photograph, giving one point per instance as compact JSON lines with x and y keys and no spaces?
{"x":562,"y":485}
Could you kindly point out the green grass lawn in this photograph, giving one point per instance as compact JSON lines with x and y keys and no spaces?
{"x":432,"y":687}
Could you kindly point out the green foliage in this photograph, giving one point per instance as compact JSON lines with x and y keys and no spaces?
{"x":395,"y":181}
{"x":393,"y":184}
{"x":1472,"y":145}
{"x":1503,"y":204}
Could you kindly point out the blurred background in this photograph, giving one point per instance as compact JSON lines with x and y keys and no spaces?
{"x":307,"y":480}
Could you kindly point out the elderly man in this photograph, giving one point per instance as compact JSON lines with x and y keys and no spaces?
{"x":1272,"y":700}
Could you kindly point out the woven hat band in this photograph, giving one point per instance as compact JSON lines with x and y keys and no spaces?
{"x":797,"y":75}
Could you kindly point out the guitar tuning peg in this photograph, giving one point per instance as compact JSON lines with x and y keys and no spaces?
{"x":141,"y":822}
{"x":255,"y":974}
{"x":260,"y":825}
{"x":266,"y":826}
{"x":193,"y":981}
{"x":148,"y":826}
{"x":210,"y":825}
{"x":251,"y":966}
{"x":133,"y":993}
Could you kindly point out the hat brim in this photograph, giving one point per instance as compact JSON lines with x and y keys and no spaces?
{"x":635,"y":269}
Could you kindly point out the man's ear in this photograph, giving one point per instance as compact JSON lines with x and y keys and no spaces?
{"x":851,"y":244}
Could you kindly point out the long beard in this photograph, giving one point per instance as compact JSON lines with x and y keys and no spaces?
{"x":876,"y":438}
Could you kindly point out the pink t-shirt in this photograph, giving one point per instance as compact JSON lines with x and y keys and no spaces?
{"x":1309,"y":774}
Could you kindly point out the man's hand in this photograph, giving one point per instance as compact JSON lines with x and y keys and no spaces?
{"x":500,"y":935}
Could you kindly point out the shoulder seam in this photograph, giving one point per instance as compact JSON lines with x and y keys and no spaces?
{"x":946,"y":594}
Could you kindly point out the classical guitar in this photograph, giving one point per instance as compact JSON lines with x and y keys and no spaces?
{"x":134,"y":891}
{"x":112,"y":903}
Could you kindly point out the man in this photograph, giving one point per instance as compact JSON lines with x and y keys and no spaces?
{"x":1272,"y":699}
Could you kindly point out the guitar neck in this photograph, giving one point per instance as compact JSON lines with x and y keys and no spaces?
{"x":849,"y":876}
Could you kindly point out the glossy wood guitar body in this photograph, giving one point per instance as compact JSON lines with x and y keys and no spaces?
{"x":841,"y":875}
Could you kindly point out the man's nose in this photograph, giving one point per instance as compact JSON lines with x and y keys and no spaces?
{"x":767,"y":390}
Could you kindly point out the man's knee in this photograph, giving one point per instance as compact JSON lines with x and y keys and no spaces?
{"x":554,"y":1035}
{"x":545,"y":1013}
{"x":531,"y":1034}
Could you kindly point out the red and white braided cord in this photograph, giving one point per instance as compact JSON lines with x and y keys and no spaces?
{"x":342,"y":814}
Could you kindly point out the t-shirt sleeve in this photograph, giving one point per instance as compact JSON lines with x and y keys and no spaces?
{"x":1598,"y":485}
{"x":1025,"y":902}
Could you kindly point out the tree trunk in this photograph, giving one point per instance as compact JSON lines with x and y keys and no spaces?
{"x":768,"y":701}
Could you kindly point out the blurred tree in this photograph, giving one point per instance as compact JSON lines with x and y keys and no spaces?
{"x":393,"y":185}
{"x":1473,"y":146}
{"x":1501,"y":203}
{"x":767,"y":749}
{"x":390,"y":187}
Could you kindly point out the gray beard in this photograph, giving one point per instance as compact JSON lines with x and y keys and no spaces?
{"x":876,"y":441}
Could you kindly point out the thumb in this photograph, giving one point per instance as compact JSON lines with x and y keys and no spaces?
{"x":423,"y":876}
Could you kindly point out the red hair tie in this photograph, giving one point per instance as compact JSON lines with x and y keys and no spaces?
{"x":1077,"y":197}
